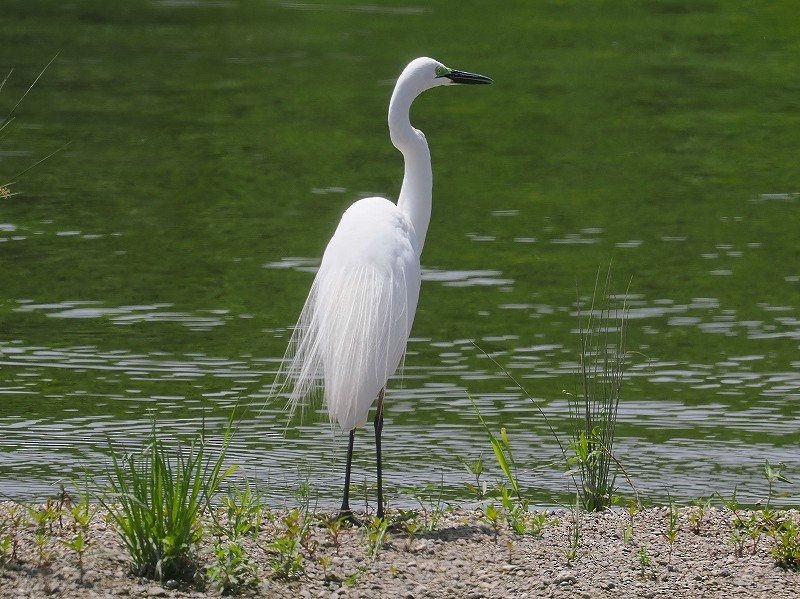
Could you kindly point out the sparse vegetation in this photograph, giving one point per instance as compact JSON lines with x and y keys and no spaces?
{"x":232,"y":569}
{"x":288,"y":558}
{"x":751,"y":525}
{"x":786,"y":539}
{"x":300,"y":549}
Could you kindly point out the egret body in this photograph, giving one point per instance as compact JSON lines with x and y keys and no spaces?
{"x":354,"y":326}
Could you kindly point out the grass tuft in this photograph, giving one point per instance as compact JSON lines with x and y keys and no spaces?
{"x":594,"y":408}
{"x":156,"y":500}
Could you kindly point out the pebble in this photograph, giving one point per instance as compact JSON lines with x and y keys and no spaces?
{"x":567,"y":576}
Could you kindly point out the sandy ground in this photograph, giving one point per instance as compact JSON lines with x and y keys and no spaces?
{"x":463,"y":558}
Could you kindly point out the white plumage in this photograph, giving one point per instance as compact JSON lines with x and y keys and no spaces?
{"x":348,"y":341}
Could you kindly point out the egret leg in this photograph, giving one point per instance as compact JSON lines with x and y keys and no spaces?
{"x":345,"y":511}
{"x":378,"y":429}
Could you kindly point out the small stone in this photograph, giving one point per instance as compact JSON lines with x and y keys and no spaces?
{"x":607,"y":585}
{"x":155,"y":591}
{"x":565,"y":577}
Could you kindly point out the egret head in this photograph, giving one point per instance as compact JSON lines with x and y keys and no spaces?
{"x":421,"y":74}
{"x":425,"y":73}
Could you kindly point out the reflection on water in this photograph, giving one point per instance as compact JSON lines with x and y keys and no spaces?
{"x":126,"y":314}
{"x":366,"y":8}
{"x":673,"y":444}
{"x":449,"y":278}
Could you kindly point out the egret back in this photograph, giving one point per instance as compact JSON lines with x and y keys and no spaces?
{"x":353,"y":330}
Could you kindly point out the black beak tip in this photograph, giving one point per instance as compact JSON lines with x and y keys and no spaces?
{"x":468,"y":78}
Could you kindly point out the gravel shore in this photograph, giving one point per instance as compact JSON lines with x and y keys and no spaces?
{"x":463,"y":558}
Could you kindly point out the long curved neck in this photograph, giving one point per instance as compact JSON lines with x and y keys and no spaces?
{"x":416,"y":191}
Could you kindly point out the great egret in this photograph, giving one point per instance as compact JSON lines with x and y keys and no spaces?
{"x":354,"y":326}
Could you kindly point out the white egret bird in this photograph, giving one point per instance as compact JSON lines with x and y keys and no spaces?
{"x":353,"y":329}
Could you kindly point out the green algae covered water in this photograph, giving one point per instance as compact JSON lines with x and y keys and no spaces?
{"x":152,"y":269}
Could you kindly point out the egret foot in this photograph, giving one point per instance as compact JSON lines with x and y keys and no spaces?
{"x":346,"y":515}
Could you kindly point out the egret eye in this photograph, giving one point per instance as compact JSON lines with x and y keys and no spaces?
{"x":442,"y":71}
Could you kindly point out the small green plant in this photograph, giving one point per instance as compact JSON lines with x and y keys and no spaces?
{"x":376,"y":533}
{"x":8,"y":531}
{"x":325,"y":563}
{"x":9,"y":534}
{"x":744,"y":527}
{"x":288,"y":561}
{"x":241,"y":513}
{"x":671,"y":532}
{"x":515,"y":507}
{"x":645,"y":562}
{"x":502,"y":451}
{"x":774,"y":474}
{"x":783,"y":531}
{"x":407,"y":521}
{"x":334,"y":527}
{"x":6,"y":543}
{"x":492,"y":516}
{"x":766,"y":521}
{"x":352,"y":579}
{"x":519,"y":517}
{"x":231,"y":569}
{"x":81,"y":513}
{"x":475,"y":467}
{"x":411,"y":533}
{"x":575,"y":531}
{"x":156,"y":501}
{"x":737,"y":539}
{"x":43,"y":518}
{"x":79,"y":543}
{"x":538,"y":521}
{"x":505,"y":458}
{"x":365,"y":489}
{"x":786,"y":539}
{"x":701,"y":505}
{"x":627,"y":535}
{"x":431,"y":506}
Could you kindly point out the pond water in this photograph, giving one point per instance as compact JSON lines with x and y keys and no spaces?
{"x":152,"y":269}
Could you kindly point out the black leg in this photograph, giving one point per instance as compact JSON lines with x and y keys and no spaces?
{"x":345,"y":510}
{"x":378,"y":429}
